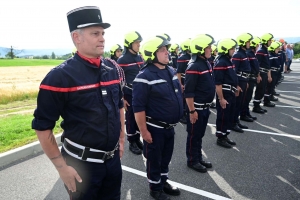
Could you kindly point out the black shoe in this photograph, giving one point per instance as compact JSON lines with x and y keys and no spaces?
{"x":254,"y":118}
{"x":258,"y":109}
{"x":159,"y":195}
{"x":198,"y":167}
{"x":269,"y":104}
{"x":213,"y":105}
{"x":223,"y":142}
{"x":276,"y":94}
{"x":242,"y":126}
{"x":229,"y":141}
{"x":237,"y":128}
{"x":171,"y":190}
{"x":139,"y":144}
{"x":134,"y":148}
{"x":183,"y":120}
{"x":246,"y":118}
{"x":206,"y":164}
{"x":272,"y":98}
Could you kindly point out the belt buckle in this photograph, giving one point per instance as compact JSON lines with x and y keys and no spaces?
{"x":109,"y":154}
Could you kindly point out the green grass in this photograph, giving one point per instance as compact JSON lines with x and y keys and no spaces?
{"x":29,"y":62}
{"x":15,"y":131}
{"x":5,"y":99}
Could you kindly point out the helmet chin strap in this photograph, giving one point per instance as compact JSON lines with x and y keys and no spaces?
{"x":130,"y":47}
{"x":155,"y":60}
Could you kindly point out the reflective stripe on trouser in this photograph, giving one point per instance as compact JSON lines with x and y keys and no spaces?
{"x":225,"y":116}
{"x":240,"y":100}
{"x":260,"y":89}
{"x":158,"y":154}
{"x":195,"y":134}
{"x":245,"y":109}
{"x":99,"y":180}
{"x":271,"y":86}
{"x":132,"y":130}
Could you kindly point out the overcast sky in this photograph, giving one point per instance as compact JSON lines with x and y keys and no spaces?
{"x":29,"y":24}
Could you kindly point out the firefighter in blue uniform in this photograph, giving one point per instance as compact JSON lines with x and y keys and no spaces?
{"x":199,"y":93}
{"x":262,"y":56}
{"x":254,"y":77}
{"x":211,"y":60}
{"x":242,"y":67}
{"x":227,"y":89}
{"x":174,"y":48}
{"x":131,"y":62}
{"x":282,"y":59}
{"x":182,"y":63}
{"x":116,"y":52}
{"x":157,"y":104}
{"x":275,"y":68}
{"x":86,"y":92}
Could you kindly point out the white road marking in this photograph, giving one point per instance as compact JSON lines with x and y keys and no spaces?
{"x":179,"y":185}
{"x":287,"y":182}
{"x":287,"y":91}
{"x":266,"y":132}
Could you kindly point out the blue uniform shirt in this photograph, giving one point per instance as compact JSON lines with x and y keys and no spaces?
{"x":224,"y":71}
{"x":282,"y":57}
{"x":262,"y":56}
{"x":131,"y":64}
{"x":158,"y":93}
{"x":174,"y":58}
{"x":274,"y":61}
{"x":211,"y":60}
{"x":199,"y":81}
{"x":87,"y":97}
{"x":182,"y":62}
{"x":253,"y":62}
{"x":241,"y":63}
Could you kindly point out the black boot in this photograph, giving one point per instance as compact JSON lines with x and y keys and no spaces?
{"x":198,"y":167}
{"x":272,"y":98}
{"x":223,"y":142}
{"x":236,"y":128}
{"x":246,"y":118}
{"x":159,"y":195}
{"x":139,"y":144}
{"x":229,"y":141}
{"x":206,"y":164}
{"x":134,"y":148}
{"x":171,"y":190}
{"x":254,"y":118}
{"x":276,"y":94}
{"x":269,"y":104}
{"x":241,"y":125}
{"x":258,"y":109}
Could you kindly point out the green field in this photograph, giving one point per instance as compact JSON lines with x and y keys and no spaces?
{"x":15,"y":131}
{"x":29,"y":62}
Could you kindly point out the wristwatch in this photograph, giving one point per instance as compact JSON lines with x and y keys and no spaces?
{"x":192,"y":111}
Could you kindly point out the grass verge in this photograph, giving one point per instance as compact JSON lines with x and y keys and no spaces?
{"x":17,"y":96}
{"x":15,"y":131}
{"x":29,"y":62}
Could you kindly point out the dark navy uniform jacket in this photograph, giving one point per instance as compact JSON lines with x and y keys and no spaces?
{"x":174,"y":58}
{"x":199,"y":81}
{"x":211,"y":60}
{"x":87,"y":97}
{"x":182,"y":62}
{"x":253,"y":62}
{"x":282,"y":57}
{"x":158,"y":93}
{"x":241,"y":63}
{"x":262,"y":56}
{"x":224,"y":71}
{"x":131,"y":64}
{"x":274,"y":61}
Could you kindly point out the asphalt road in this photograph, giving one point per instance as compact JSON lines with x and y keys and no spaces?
{"x":265,"y":164}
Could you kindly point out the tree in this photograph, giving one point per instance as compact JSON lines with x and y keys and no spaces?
{"x":45,"y":57}
{"x":53,"y":55}
{"x":12,"y":52}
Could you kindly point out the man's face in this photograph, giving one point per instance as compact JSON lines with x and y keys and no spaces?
{"x":162,"y":55}
{"x":269,"y":43}
{"x":247,"y":45}
{"x":176,"y":50}
{"x":276,"y":50}
{"x":118,"y":53}
{"x":231,"y":52}
{"x":136,"y":46}
{"x":90,"y":41}
{"x":207,"y":52}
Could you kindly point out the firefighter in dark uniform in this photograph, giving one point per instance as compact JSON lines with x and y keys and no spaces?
{"x":275,"y":67}
{"x":182,"y":63}
{"x":174,"y":48}
{"x":157,"y":104}
{"x":227,"y":89}
{"x":254,"y":77}
{"x":211,"y":60}
{"x":116,"y":52}
{"x":242,"y":67}
{"x":131,"y":62}
{"x":86,"y":92}
{"x":262,"y":56}
{"x":282,"y":59}
{"x":199,"y":93}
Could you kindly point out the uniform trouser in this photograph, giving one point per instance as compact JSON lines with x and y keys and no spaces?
{"x":225,"y":116}
{"x":271,"y":86}
{"x":240,"y":100}
{"x":133,"y":133}
{"x":99,"y":180}
{"x":158,"y":154}
{"x":261,"y":89}
{"x":196,"y":132}
{"x":249,"y":94}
